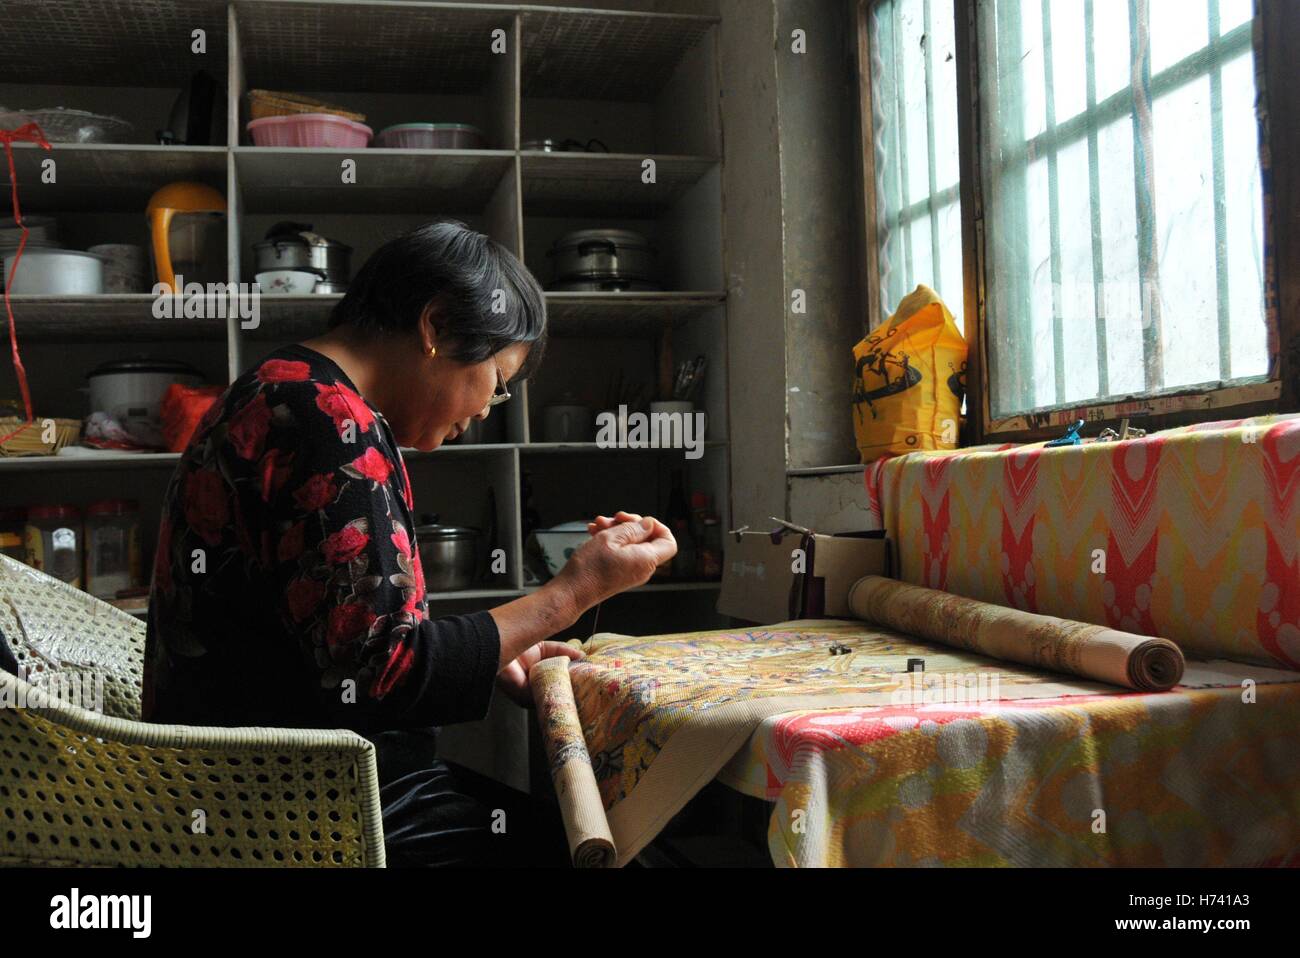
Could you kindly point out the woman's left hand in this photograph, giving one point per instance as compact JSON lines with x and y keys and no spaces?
{"x":513,"y":679}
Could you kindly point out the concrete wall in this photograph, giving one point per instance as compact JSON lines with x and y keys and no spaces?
{"x":792,"y":221}
{"x":832,"y":503}
{"x":818,"y":104}
{"x":754,"y":249}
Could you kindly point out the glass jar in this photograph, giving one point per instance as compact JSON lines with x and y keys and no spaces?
{"x":53,"y":542}
{"x":112,"y":547}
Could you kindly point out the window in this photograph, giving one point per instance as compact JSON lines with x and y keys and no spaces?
{"x":1122,"y":229}
{"x":1120,"y":170}
{"x":914,"y":111}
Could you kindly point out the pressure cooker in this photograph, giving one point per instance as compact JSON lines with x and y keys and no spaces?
{"x":603,"y":254}
{"x":295,"y":246}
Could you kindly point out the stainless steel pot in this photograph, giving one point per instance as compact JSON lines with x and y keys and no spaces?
{"x":303,"y":249}
{"x":449,"y":556}
{"x":603,"y":254}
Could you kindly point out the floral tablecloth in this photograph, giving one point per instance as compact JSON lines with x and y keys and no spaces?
{"x":1191,"y":778}
{"x":822,"y":717}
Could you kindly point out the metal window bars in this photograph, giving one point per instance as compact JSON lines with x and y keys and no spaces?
{"x":900,"y":212}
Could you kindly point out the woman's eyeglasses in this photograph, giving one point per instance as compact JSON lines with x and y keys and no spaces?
{"x":502,"y":393}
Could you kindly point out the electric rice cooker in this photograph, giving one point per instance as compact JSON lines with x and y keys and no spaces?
{"x":131,"y":391}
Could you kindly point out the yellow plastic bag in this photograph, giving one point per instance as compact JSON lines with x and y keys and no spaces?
{"x":909,"y":380}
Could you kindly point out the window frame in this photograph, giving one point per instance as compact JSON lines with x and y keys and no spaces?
{"x":1275,"y":32}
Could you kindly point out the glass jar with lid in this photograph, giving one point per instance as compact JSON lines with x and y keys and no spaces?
{"x":53,"y":541}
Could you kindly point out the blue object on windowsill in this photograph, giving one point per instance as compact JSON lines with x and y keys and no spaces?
{"x":1071,"y":437}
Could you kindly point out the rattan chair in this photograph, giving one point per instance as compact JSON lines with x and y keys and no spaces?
{"x":80,"y":786}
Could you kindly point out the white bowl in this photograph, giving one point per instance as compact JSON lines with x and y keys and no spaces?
{"x":287,"y":281}
{"x":560,"y":542}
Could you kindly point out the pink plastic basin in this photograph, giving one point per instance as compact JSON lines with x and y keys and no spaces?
{"x":309,"y":129}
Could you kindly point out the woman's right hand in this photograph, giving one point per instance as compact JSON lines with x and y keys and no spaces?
{"x":622,"y":553}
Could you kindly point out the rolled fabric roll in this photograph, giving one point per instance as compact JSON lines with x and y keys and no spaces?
{"x":591,"y":843}
{"x":1144,"y":663}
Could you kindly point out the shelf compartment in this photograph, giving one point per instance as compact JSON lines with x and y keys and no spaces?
{"x":604,"y":55}
{"x":686,"y":235}
{"x":125,"y":43}
{"x":377,"y":47}
{"x":605,"y":184}
{"x":109,"y":176}
{"x":641,"y":83}
{"x":276,"y":179}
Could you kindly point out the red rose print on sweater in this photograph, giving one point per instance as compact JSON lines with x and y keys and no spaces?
{"x":406,"y":486}
{"x":316,"y":493}
{"x":248,"y":428}
{"x":400,"y":539}
{"x":372,"y":464}
{"x":304,"y":596}
{"x":348,"y":622}
{"x":343,"y":406}
{"x":206,"y":508}
{"x":399,"y":662}
{"x":274,"y":470}
{"x":418,"y":570}
{"x":283,"y":371}
{"x":345,"y":545}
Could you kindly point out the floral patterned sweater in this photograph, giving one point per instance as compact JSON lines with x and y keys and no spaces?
{"x":287,"y":588}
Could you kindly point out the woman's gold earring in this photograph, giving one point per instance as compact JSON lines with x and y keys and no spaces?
{"x":432,"y":351}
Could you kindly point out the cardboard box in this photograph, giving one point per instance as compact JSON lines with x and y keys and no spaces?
{"x":765,"y":578}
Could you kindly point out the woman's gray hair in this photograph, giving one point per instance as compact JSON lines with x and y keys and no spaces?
{"x":484,"y":299}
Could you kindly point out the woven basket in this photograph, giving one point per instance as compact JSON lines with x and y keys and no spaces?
{"x":29,"y":442}
{"x":264,"y":103}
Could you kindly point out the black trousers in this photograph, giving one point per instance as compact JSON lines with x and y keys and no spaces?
{"x":438,"y":814}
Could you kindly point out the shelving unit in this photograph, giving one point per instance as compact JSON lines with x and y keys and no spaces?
{"x":644,"y":84}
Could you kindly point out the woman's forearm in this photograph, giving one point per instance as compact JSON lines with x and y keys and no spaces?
{"x":535,"y":617}
{"x":617,"y":557}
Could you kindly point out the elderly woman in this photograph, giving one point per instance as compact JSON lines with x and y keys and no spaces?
{"x":288,"y":590}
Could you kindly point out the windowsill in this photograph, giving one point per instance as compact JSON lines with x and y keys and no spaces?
{"x":823,"y":470}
